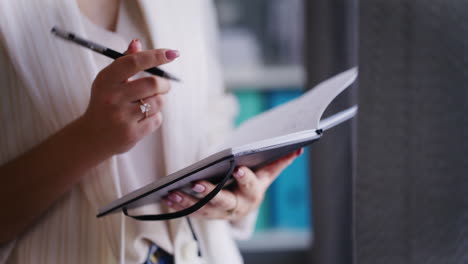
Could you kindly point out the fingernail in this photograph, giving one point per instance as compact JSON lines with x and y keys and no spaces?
{"x":175,"y":197}
{"x":239,"y":173}
{"x":137,"y":44}
{"x":168,"y":203}
{"x":198,"y":188}
{"x":172,"y":54}
{"x":132,"y":43}
{"x":301,"y":151}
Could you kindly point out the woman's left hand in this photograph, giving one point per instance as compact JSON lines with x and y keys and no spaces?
{"x":232,"y":205}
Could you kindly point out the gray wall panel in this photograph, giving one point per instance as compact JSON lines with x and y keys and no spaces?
{"x":412,"y":187}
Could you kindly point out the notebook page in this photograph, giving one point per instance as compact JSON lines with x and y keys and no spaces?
{"x":338,"y":118}
{"x":303,"y":113}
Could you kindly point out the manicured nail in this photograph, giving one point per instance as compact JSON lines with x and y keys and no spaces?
{"x":168,"y":203}
{"x":137,"y":44}
{"x":131,"y":44}
{"x":301,"y":151}
{"x":239,"y":173}
{"x":198,"y":188}
{"x":172,"y":54}
{"x":175,"y":197}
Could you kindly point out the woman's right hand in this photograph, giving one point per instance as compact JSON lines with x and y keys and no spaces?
{"x":112,"y":123}
{"x":113,"y":118}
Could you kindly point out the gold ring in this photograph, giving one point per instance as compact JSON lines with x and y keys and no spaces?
{"x":232,"y":212}
{"x":144,"y":107}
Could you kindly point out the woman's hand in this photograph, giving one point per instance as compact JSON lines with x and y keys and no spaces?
{"x":114,"y":120}
{"x":112,"y":123}
{"x":232,"y":205}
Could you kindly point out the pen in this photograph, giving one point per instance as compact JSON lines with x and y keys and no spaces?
{"x":105,"y":51}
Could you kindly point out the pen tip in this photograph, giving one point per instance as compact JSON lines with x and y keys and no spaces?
{"x":167,"y":75}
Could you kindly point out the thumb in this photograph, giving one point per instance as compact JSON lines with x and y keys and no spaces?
{"x":133,"y":47}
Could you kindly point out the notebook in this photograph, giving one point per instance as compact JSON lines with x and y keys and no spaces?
{"x":257,"y":142}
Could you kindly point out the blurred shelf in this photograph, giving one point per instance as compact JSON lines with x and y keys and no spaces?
{"x":277,"y":240}
{"x":268,"y":77}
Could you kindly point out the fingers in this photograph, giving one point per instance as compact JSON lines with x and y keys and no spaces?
{"x":127,"y":66}
{"x":155,"y":102}
{"x":133,"y":47}
{"x":178,"y":201}
{"x":112,"y":108}
{"x":224,"y":199}
{"x":248,"y":184}
{"x":248,"y":194}
{"x":150,"y":123}
{"x":233,"y":204}
{"x":145,"y":87}
{"x":268,"y":173}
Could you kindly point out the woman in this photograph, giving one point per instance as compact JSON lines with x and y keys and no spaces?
{"x":74,"y":138}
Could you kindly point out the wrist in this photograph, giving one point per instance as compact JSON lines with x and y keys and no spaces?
{"x":88,"y":140}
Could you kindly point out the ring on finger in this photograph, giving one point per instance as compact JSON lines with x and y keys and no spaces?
{"x":144,"y":107}
{"x":232,"y":212}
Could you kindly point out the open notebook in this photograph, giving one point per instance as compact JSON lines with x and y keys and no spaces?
{"x":258,"y":141}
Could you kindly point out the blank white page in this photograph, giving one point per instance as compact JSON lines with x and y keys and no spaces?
{"x":300,"y":114}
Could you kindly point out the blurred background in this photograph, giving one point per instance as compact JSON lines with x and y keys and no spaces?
{"x":392,"y":185}
{"x":261,"y":45}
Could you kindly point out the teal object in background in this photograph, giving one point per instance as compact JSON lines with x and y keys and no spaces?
{"x":251,"y":103}
{"x":289,"y":193}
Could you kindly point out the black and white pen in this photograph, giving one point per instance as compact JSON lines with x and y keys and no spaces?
{"x":104,"y":51}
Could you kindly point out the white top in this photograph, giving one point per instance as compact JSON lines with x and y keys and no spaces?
{"x":45,"y":85}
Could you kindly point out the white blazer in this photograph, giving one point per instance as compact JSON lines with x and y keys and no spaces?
{"x":45,"y":84}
